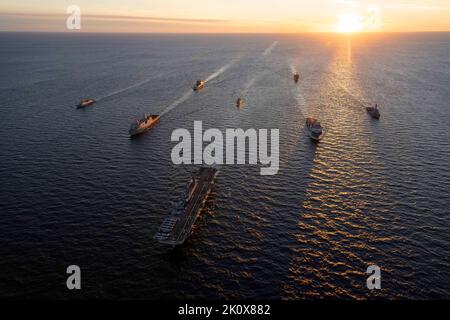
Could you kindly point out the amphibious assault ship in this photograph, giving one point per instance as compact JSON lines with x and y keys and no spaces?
{"x":144,"y":124}
{"x":177,"y":226}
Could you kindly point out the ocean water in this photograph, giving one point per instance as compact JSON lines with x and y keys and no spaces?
{"x":74,"y":189}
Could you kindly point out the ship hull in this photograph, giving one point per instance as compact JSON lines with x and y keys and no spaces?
{"x":315,"y":136}
{"x":82,"y":106}
{"x":374,"y":113}
{"x":199,"y":85}
{"x":198,"y":88}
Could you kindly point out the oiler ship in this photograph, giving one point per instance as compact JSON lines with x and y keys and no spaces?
{"x":177,"y":226}
{"x":143,"y":125}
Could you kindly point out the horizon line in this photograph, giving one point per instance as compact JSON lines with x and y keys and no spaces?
{"x":224,"y":33}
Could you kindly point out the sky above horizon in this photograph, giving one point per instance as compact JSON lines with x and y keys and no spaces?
{"x":229,"y":16}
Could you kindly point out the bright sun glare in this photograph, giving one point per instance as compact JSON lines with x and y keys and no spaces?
{"x":349,"y":23}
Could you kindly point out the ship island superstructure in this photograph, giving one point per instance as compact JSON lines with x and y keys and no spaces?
{"x":178,"y":224}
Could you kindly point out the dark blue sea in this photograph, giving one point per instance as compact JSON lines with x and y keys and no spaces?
{"x":76,"y":190}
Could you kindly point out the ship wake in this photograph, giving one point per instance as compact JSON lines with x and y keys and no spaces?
{"x":123,"y":90}
{"x":221,"y":70}
{"x":190,"y":93}
{"x":269,"y":49}
{"x":179,"y":101}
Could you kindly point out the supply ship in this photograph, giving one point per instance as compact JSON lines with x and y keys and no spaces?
{"x":177,"y":226}
{"x":314,"y":129}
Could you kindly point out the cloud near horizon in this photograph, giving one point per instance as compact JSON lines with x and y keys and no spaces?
{"x":118,"y":23}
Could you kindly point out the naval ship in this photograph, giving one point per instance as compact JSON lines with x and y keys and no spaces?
{"x":239,"y":103}
{"x":85,"y":103}
{"x":144,"y":124}
{"x":374,"y":112}
{"x":177,"y":226}
{"x":199,"y":85}
{"x":314,"y":129}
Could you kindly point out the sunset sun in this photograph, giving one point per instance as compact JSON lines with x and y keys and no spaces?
{"x":349,"y":23}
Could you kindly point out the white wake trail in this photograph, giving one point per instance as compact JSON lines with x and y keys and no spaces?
{"x":220,"y":71}
{"x":251,"y":82}
{"x":248,"y":86}
{"x":293,"y":68}
{"x":188,"y":94}
{"x":361,"y":102}
{"x":269,"y":49}
{"x":179,"y":101}
{"x":123,"y":90}
{"x":301,"y":102}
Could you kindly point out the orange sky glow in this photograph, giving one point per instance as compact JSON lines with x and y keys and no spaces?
{"x":230,"y":16}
